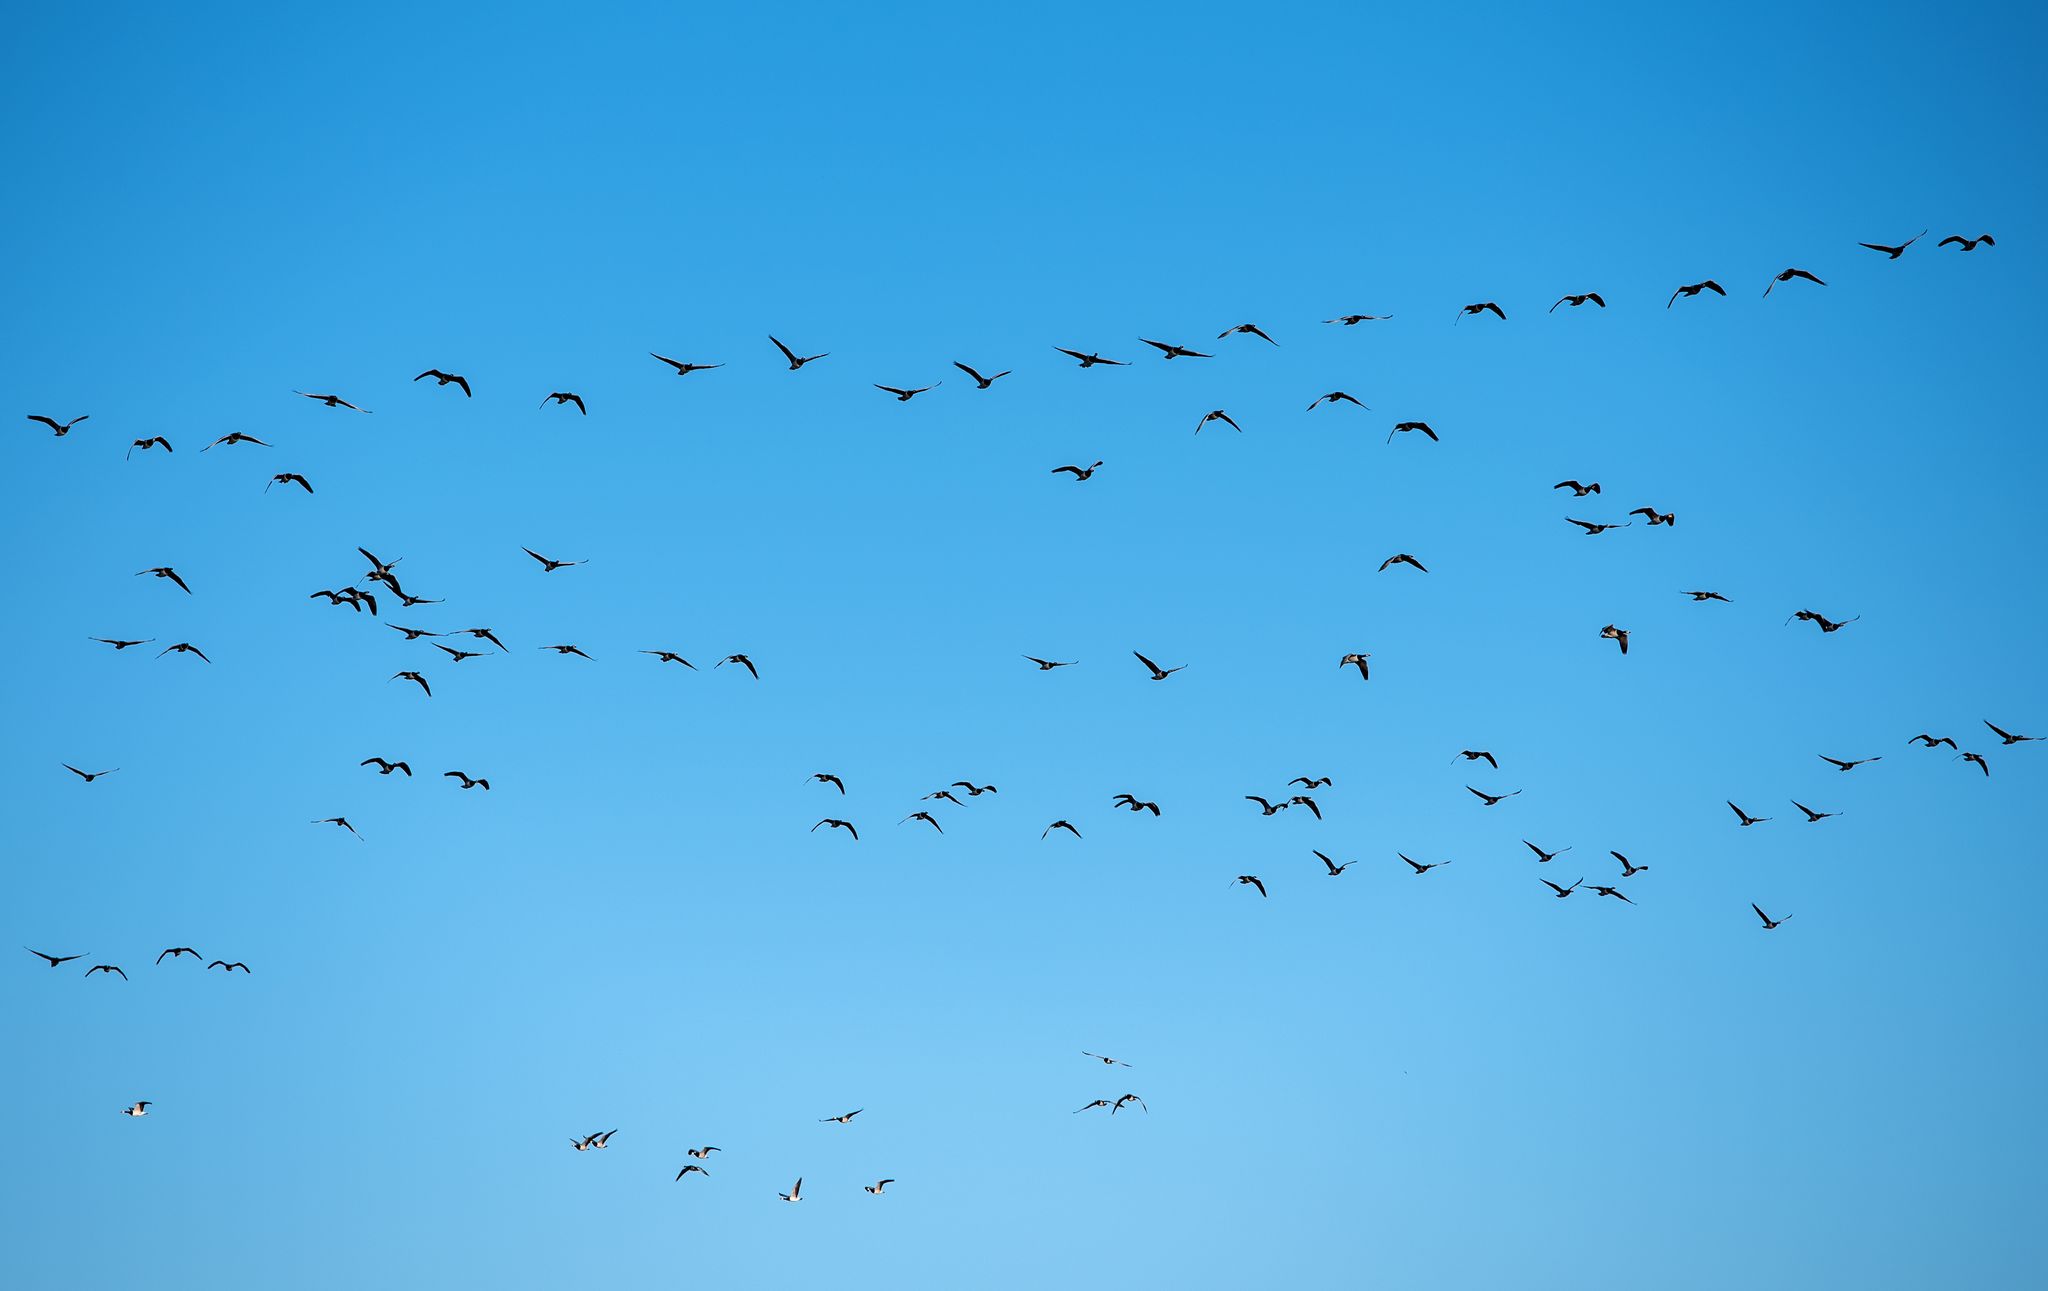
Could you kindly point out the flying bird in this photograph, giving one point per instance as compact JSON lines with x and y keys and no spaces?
{"x":1117,"y":1106}
{"x":791,"y":355}
{"x":62,"y":428}
{"x":981,"y":382}
{"x":877,"y":1186}
{"x":1247,"y":329}
{"x":1134,"y":804}
{"x":1047,"y":665}
{"x":1104,"y":1060}
{"x":1060,"y":824}
{"x":1617,"y":635}
{"x":1089,"y":1107}
{"x":1977,"y":758}
{"x":684,"y":369}
{"x":184,"y":647}
{"x":415,"y":677}
{"x":1403,"y":427}
{"x":106,"y":968}
{"x":1770,"y":923}
{"x":1217,"y":414}
{"x":924,"y":816}
{"x":87,"y":776}
{"x":560,"y":397}
{"x":1788,"y":275}
{"x":136,"y":1109}
{"x":1334,"y":398}
{"x":176,"y":952}
{"x":1577,"y":300}
{"x":1158,"y":673}
{"x":692,"y":1168}
{"x":232,"y":438}
{"x":1929,"y":741}
{"x":228,"y":968}
{"x":1491,"y":799}
{"x":1967,"y":244}
{"x":339,"y":822}
{"x":1744,"y":818}
{"x":289,"y":477}
{"x":1357,"y":660}
{"x":1821,"y":621}
{"x":905,"y":396}
{"x":742,"y":661}
{"x":1353,"y":320}
{"x":447,"y":378}
{"x":841,"y":1119}
{"x":481,"y":634}
{"x":386,"y":767}
{"x":1616,"y":893}
{"x":973,"y":790}
{"x":1894,"y":253}
{"x":1176,"y":351}
{"x":468,"y":782}
{"x":1562,"y":892}
{"x":1266,"y":808}
{"x":1090,"y":360}
{"x":165,"y":571}
{"x":826,"y":777}
{"x":1334,"y":868}
{"x":1402,"y":558}
{"x":1628,"y":867}
{"x":1419,"y":867}
{"x":154,"y":441}
{"x":54,"y":960}
{"x":1812,"y":817}
{"x":1693,"y":289}
{"x":568,"y":649}
{"x":1303,"y":800}
{"x":703,"y":1153}
{"x":1251,"y":880}
{"x":331,"y":400}
{"x":1707,"y":596}
{"x":846,"y":825}
{"x":1656,"y":517}
{"x":670,"y":656}
{"x":1478,"y":755}
{"x":1578,"y":490}
{"x":1480,"y":308}
{"x":2007,"y":737}
{"x":796,"y":1191}
{"x":1594,"y":530}
{"x":455,"y":655}
{"x":548,"y":566}
{"x":1311,"y":782}
{"x":1543,"y":857}
{"x":1079,"y":473}
{"x":1850,"y":765}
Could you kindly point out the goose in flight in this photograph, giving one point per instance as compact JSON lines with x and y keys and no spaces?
{"x":1929,"y":741}
{"x":1893,"y":253}
{"x":1105,"y":1060}
{"x":1543,"y":857}
{"x":331,"y":400}
{"x":1480,"y":307}
{"x":414,"y":677}
{"x":1332,"y":866}
{"x":232,"y":438}
{"x":568,"y":649}
{"x":1266,"y":808}
{"x":230,"y":969}
{"x":1176,"y":351}
{"x":1246,"y":329}
{"x":1419,"y":867}
{"x":1356,"y":659}
{"x":1402,"y":558}
{"x":1850,"y":765}
{"x":339,"y":822}
{"x":468,"y":781}
{"x":1616,"y":893}
{"x":1577,"y":300}
{"x":670,"y":656}
{"x":794,"y":361}
{"x":1403,"y":427}
{"x":1491,"y":799}
{"x":1091,"y":1106}
{"x":1821,"y":621}
{"x":702,"y":1153}
{"x":154,"y":441}
{"x":740,"y":659}
{"x":1134,"y":804}
{"x":548,"y":566}
{"x":906,"y":395}
{"x":796,"y":1191}
{"x":603,"y":1140}
{"x":87,"y":776}
{"x":165,"y":571}
{"x":176,"y":952}
{"x":1744,"y":818}
{"x":1090,"y":360}
{"x":1158,"y":673}
{"x":1707,"y":596}
{"x":981,"y":382}
{"x":1117,"y":1106}
{"x":184,"y":647}
{"x":1079,"y":473}
{"x":106,"y":968}
{"x":841,"y":1119}
{"x":447,"y":378}
{"x":62,"y":428}
{"x":560,"y":397}
{"x":481,"y":634}
{"x":1812,"y":817}
{"x":1617,"y":635}
{"x":289,"y":477}
{"x":1217,"y":414}
{"x":136,"y":1109}
{"x":692,"y":1168}
{"x":1968,"y":244}
{"x":1562,"y":892}
{"x":684,"y":369}
{"x":1311,"y":782}
{"x":1628,"y":867}
{"x":1594,"y":530}
{"x":924,"y":816}
{"x":1692,"y":289}
{"x":1251,"y":880}
{"x":1059,"y":824}
{"x":1770,"y":923}
{"x":1578,"y":490}
{"x":1480,"y":755}
{"x":846,"y":825}
{"x":973,"y":790}
{"x":1353,"y":320}
{"x":1787,"y":276}
{"x":876,"y":1187}
{"x":54,"y":960}
{"x":826,"y":777}
{"x":1977,"y":758}
{"x":1334,"y":398}
{"x":1656,"y":517}
{"x":1303,"y":800}
{"x":2008,"y":738}
{"x":457,"y":656}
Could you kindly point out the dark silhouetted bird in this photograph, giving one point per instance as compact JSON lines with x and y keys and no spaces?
{"x":414,"y":677}
{"x":1617,"y":635}
{"x":446,"y":378}
{"x":1562,"y":892}
{"x":1402,"y":558}
{"x":549,"y":566}
{"x":1977,"y":758}
{"x":1744,"y":818}
{"x":1334,"y":398}
{"x":1543,"y":857}
{"x":289,"y":477}
{"x":742,"y":661}
{"x":54,"y":960}
{"x":1893,"y":253}
{"x":1480,"y":307}
{"x":684,"y":369}
{"x":1578,"y":490}
{"x":1770,"y":923}
{"x":1477,"y":755}
{"x":1353,"y":320}
{"x":87,"y":776}
{"x":560,"y":397}
{"x":177,"y":952}
{"x":1597,"y":890}
{"x":1246,"y":329}
{"x":1131,"y":802}
{"x":1047,"y":665}
{"x":1627,"y":867}
{"x":568,"y":649}
{"x":227,"y":967}
{"x":184,"y":647}
{"x":1656,"y":517}
{"x":1176,"y":351}
{"x":1217,"y":414}
{"x":1788,"y":275}
{"x":1078,"y":472}
{"x":1251,"y":880}
{"x":154,"y":441}
{"x":1491,"y":799}
{"x":924,"y":816}
{"x":468,"y":781}
{"x":1158,"y":673}
{"x":1060,"y":824}
{"x":1693,"y":289}
{"x":1091,"y":360}
{"x":2007,"y":737}
{"x":62,"y":428}
{"x":794,"y":361}
{"x":1334,"y":868}
{"x":1706,"y":596}
{"x":1851,"y":765}
{"x":331,"y":400}
{"x":165,"y":571}
{"x":1821,"y":621}
{"x":670,"y":656}
{"x":386,"y":766}
{"x":232,"y":438}
{"x":1403,"y":427}
{"x":826,"y":777}
{"x":1578,"y":300}
{"x":981,"y":382}
{"x":1419,"y":867}
{"x":1812,"y":817}
{"x":904,"y":395}
{"x":1931,"y":741}
{"x":1593,"y":529}
{"x":106,"y":968}
{"x":1357,"y":659}
{"x":1967,"y":244}
{"x":846,"y":825}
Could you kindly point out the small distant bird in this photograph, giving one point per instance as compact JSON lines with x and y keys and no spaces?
{"x":1104,"y":1060}
{"x":974,"y":791}
{"x":603,"y":1140}
{"x":1851,"y":765}
{"x":1543,"y":857}
{"x":184,"y":647}
{"x":560,"y":397}
{"x":742,"y":661}
{"x":1117,"y":1106}
{"x":1419,"y":867}
{"x":826,"y":777}
{"x":1617,"y":635}
{"x":1491,"y":799}
{"x":176,"y":952}
{"x":1578,"y":490}
{"x":794,"y":361}
{"x":136,"y":1109}
{"x":1158,"y":673}
{"x":796,"y":1191}
{"x":1977,"y":758}
{"x":228,"y":968}
{"x":1251,"y":880}
{"x":1403,"y":427}
{"x":1594,"y":530}
{"x":702,"y":1153}
{"x":1334,"y":398}
{"x":331,"y":400}
{"x":1134,"y":804}
{"x":1821,"y":621}
{"x":154,"y":441}
{"x":1656,"y":517}
{"x":2007,"y":737}
{"x":1610,"y":892}
{"x":1090,"y":360}
{"x":585,"y":1143}
{"x":905,"y":396}
{"x":684,"y":369}
{"x":468,"y":782}
{"x":841,"y":1119}
{"x":1707,"y":596}
{"x":1353,"y":320}
{"x":165,"y":571}
{"x":1176,"y":351}
{"x":1480,"y":308}
{"x":942,"y":795}
{"x":1089,"y":1107}
{"x":1217,"y":414}
{"x":457,"y":656}
{"x":62,"y":428}
{"x":981,"y":382}
{"x":481,"y":634}
{"x":548,"y":566}
{"x":1303,"y":800}
{"x":1266,"y":808}
{"x":1930,"y":741}
{"x":232,"y":438}
{"x":877,"y":1186}
{"x":1693,"y":289}
{"x":1078,"y":472}
{"x":1479,"y":755}
{"x":87,"y":776}
{"x":1770,"y":923}
{"x":1894,"y":253}
{"x":1744,"y":818}
{"x":385,"y":767}
{"x":106,"y":968}
{"x":1247,"y":329}
{"x":415,"y":677}
{"x":1334,"y":868}
{"x":670,"y":656}
{"x":1577,"y":300}
{"x":1788,"y":275}
{"x":339,"y":822}
{"x":924,"y":816}
{"x":1060,"y":824}
{"x":53,"y":960}
{"x":1357,"y":660}
{"x":289,"y":477}
{"x":692,"y":1168}
{"x":1813,"y":817}
{"x":1403,"y":558}
{"x":447,"y":378}
{"x":1628,"y":868}
{"x":846,"y":825}
{"x":1562,"y":892}
{"x":568,"y":649}
{"x":1968,"y":244}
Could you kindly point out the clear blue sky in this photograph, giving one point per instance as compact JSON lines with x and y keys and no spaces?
{"x":1377,"y":1080}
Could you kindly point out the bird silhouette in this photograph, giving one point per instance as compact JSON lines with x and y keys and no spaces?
{"x":165,"y":571}
{"x":447,"y":378}
{"x":232,"y":438}
{"x":1403,"y":427}
{"x":1578,"y":490}
{"x":1693,"y":289}
{"x":1480,"y":307}
{"x":981,"y":382}
{"x":1059,"y":824}
{"x":568,"y":649}
{"x":846,"y":825}
{"x":1332,"y":866}
{"x":1562,"y":892}
{"x":87,"y":776}
{"x":331,"y":400}
{"x":1357,"y":660}
{"x":1134,"y":804}
{"x":1770,"y":923}
{"x":1246,"y":329}
{"x":1353,"y":320}
{"x":1788,"y":275}
{"x":841,"y":1119}
{"x":1744,"y":818}
{"x":1543,"y":857}
{"x":973,"y":790}
{"x":1266,"y":808}
{"x":796,"y":363}
{"x":414,"y":677}
{"x":1967,"y":244}
{"x":228,"y":968}
{"x":1334,"y":398}
{"x":1479,"y":755}
{"x":386,"y":767}
{"x":1978,"y":759}
{"x":670,"y":656}
{"x":184,"y":647}
{"x":1849,"y":765}
{"x":1419,"y":868}
{"x":1091,"y":360}
{"x":906,"y":395}
{"x":1628,"y":867}
{"x":1594,"y":529}
{"x":1158,"y":673}
{"x":548,"y":566}
{"x":136,"y":1109}
{"x":1617,"y":635}
{"x":1217,"y":414}
{"x":54,"y":960}
{"x":742,"y":660}
{"x":1616,"y":893}
{"x":2008,"y":738}
{"x":1078,"y":472}
{"x":684,"y":369}
{"x":1577,"y":300}
{"x":289,"y":477}
{"x":1118,"y":1105}
{"x":1825,"y":624}
{"x":1931,"y":741}
{"x":1656,"y":517}
{"x":826,"y":777}
{"x":1706,"y":596}
{"x":1047,"y":665}
{"x":1176,"y":351}
{"x":924,"y":816}
{"x":1812,"y":817}
{"x":1491,"y":799}
{"x":796,"y":1190}
{"x":468,"y":782}
{"x":339,"y":822}
{"x":1893,"y":253}
{"x":177,"y":952}
{"x":692,"y":1168}
{"x":560,"y":397}
{"x":1251,"y":880}
{"x":62,"y":428}
{"x":1402,"y":558}
{"x":106,"y":968}
{"x":154,"y":441}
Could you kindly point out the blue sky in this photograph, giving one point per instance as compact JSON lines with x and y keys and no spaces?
{"x":1448,"y":1081}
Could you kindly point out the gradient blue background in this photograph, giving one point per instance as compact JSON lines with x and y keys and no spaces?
{"x":1379,"y":1080}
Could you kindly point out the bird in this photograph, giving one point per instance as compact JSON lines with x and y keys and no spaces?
{"x":1744,"y":818}
{"x":1930,"y":741}
{"x":1176,"y":351}
{"x":1403,"y":427}
{"x":1251,"y":880}
{"x":447,"y":378}
{"x":684,"y":369}
{"x":1117,"y":1106}
{"x":1617,"y":635}
{"x":1334,"y":868}
{"x":692,"y":1168}
{"x":1079,"y":473}
{"x":1303,"y":800}
{"x":481,"y":634}
{"x":1311,"y":782}
{"x":1480,"y":307}
{"x":1707,"y":596}
{"x":1134,"y":804}
{"x":62,"y":428}
{"x":560,"y":397}
{"x":455,"y":655}
{"x":1334,"y":398}
{"x":225,"y":966}
{"x":54,"y":960}
{"x":1562,"y":892}
{"x":1593,"y":530}
{"x":1788,"y":275}
{"x":1610,"y":892}
{"x":826,"y":777}
{"x":602,"y":1140}
{"x":843,"y":1118}
{"x":1967,"y":244}
{"x":176,"y":952}
{"x":924,"y":816}
{"x":1091,"y":360}
{"x":548,"y":566}
{"x":2008,"y":738}
{"x":1628,"y":867}
{"x":973,"y":790}
{"x":702,"y":1153}
{"x":796,"y":1191}
{"x":1402,"y":558}
{"x":905,"y":396}
{"x":1158,"y":673}
{"x":1821,"y":621}
{"x":413,"y":676}
{"x":1770,"y":923}
{"x":339,"y":822}
{"x":568,"y":649}
{"x":1693,"y":289}
{"x":184,"y":647}
{"x":585,"y":1143}
{"x":87,"y":776}
{"x":1491,"y":799}
{"x":1850,"y":765}
{"x":1353,"y":320}
{"x":1217,"y":414}
{"x":1266,"y":808}
{"x":1059,"y":824}
{"x":981,"y":382}
{"x":846,"y":825}
{"x":1977,"y":758}
{"x":1356,"y":659}
{"x":165,"y":571}
{"x":106,"y":968}
{"x":742,"y":661}
{"x":1577,"y":300}
{"x":1104,"y":1059}
{"x":795,"y":362}
{"x":670,"y":656}
{"x":136,"y":1109}
{"x":154,"y":441}
{"x":1894,"y":253}
{"x":1812,"y":817}
{"x":289,"y":477}
{"x":1656,"y":517}
{"x":331,"y":400}
{"x":1419,"y":867}
{"x":1246,"y":329}
{"x":468,"y":781}
{"x":1578,"y":490}
{"x":1476,"y":755}
{"x":876,"y":1187}
{"x":1543,"y":857}
{"x":232,"y":438}
{"x":1087,"y":1107}
{"x":1047,"y":665}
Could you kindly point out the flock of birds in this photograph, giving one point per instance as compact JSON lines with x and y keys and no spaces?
{"x":380,"y":587}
